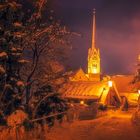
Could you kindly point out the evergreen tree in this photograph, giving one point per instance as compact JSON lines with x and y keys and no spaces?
{"x":11,"y":37}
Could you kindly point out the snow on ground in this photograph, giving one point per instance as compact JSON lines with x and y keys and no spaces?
{"x":116,"y":125}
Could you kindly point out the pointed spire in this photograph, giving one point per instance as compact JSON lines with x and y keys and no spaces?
{"x":94,"y":29}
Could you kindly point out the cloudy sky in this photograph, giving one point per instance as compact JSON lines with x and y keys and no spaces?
{"x":118,"y":32}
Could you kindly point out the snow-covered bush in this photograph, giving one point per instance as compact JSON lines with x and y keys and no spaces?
{"x":16,"y":118}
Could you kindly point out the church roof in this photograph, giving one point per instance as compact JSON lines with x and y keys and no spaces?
{"x":79,"y":75}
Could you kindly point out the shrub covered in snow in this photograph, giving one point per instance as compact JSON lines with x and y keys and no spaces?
{"x":16,"y":118}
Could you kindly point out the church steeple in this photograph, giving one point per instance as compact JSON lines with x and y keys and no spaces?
{"x":94,"y":55}
{"x":94,"y":30}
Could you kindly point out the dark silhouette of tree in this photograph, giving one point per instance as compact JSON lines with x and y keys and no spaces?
{"x":28,"y":53}
{"x":11,"y":61}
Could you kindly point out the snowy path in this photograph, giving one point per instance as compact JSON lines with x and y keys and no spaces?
{"x":115,"y":126}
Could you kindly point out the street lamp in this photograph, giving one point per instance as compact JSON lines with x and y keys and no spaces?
{"x":110,"y":83}
{"x":82,"y":102}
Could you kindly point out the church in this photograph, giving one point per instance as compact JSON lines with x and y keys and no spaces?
{"x":92,"y":86}
{"x":94,"y":70}
{"x":89,"y":87}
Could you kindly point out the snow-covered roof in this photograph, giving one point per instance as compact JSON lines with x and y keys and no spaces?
{"x":78,"y":75}
{"x":124,"y":83}
{"x":88,"y":90}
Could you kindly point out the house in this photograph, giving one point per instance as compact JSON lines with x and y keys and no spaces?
{"x":127,"y":88}
{"x":88,"y":91}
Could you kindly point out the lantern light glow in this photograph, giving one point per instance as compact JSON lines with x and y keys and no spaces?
{"x":81,"y":102}
{"x":110,"y":83}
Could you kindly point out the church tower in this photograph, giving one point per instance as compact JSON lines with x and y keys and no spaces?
{"x":94,"y":56}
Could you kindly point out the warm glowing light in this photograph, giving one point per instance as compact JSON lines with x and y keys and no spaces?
{"x":81,"y":102}
{"x":138,"y":91}
{"x":139,"y":57}
{"x":94,"y":70}
{"x":110,"y":83}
